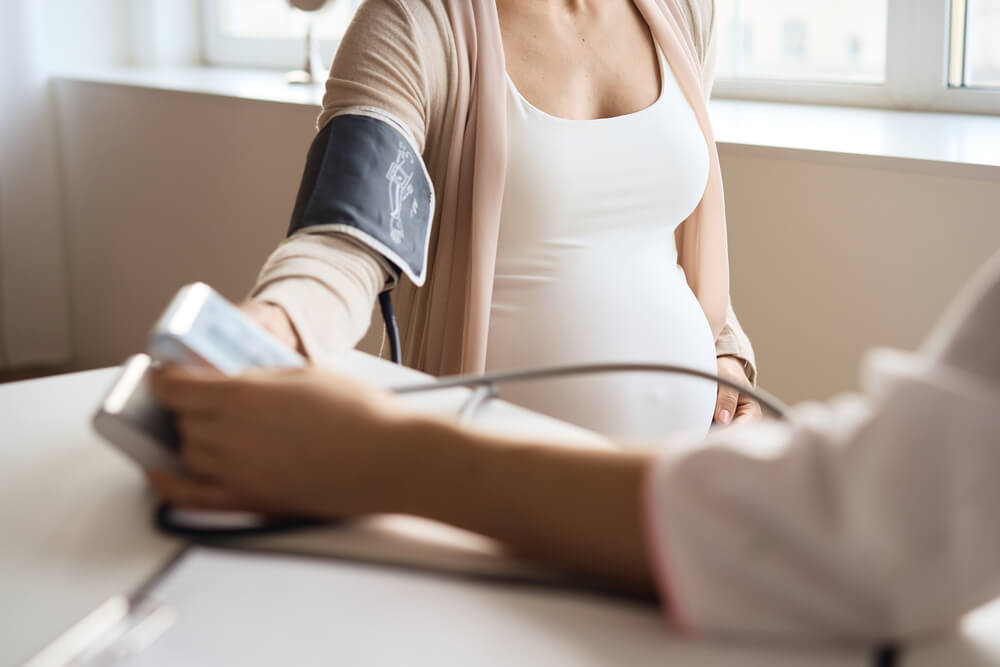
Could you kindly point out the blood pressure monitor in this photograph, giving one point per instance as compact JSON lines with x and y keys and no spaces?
{"x":133,"y":422}
{"x":201,"y":328}
{"x":198,"y":328}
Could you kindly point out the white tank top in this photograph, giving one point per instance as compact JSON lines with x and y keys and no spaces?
{"x":587,"y":264}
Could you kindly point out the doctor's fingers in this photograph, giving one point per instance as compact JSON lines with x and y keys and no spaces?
{"x":203,"y":461}
{"x":194,"y":494}
{"x":209,"y":431}
{"x":193,"y":390}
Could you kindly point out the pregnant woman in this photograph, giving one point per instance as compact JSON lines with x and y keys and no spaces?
{"x":549,"y":178}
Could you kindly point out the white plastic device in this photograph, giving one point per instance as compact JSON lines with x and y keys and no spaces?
{"x":202,"y":328}
{"x":132,"y":421}
{"x":199,"y":328}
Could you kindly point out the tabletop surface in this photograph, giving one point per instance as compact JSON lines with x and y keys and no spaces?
{"x":76,"y":529}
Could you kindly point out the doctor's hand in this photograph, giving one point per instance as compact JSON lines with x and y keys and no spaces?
{"x":273,"y":319}
{"x":301,"y":442}
{"x":732,"y":406}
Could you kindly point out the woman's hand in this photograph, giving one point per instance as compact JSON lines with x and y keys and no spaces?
{"x":275,"y":321}
{"x":301,"y":442}
{"x":733,"y":406}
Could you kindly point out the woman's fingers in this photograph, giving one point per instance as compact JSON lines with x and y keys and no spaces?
{"x":725,"y":404}
{"x":732,"y":405}
{"x":747,"y":410}
{"x":727,"y":398}
{"x":191,"y":493}
{"x":209,"y":431}
{"x":206,"y":443}
{"x":199,"y":391}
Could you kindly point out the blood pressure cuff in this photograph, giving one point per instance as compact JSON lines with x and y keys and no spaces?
{"x":364,"y":178}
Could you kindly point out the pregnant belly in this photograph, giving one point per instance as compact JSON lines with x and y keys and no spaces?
{"x":637,"y":308}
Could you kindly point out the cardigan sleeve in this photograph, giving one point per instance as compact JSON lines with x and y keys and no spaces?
{"x":710,"y":50}
{"x":700,"y":17}
{"x":386,"y":62}
{"x":733,"y":342}
{"x":326,"y":283}
{"x":327,"y":286}
{"x":700,"y":14}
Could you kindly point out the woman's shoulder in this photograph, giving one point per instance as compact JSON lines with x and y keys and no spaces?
{"x":419,"y":28}
{"x":417,"y":14}
{"x":700,"y":18}
{"x":393,"y":57}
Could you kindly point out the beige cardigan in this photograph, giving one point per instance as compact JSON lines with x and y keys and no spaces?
{"x":437,"y":67}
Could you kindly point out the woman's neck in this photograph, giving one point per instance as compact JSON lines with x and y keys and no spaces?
{"x":580,"y":59}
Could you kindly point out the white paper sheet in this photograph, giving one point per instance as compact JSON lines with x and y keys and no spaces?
{"x":237,"y":608}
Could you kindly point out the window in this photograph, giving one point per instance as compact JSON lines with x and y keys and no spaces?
{"x":275,"y":18}
{"x":911,"y":54}
{"x":269,"y":33}
{"x":803,"y":40}
{"x":793,"y":41}
{"x":975,"y":47}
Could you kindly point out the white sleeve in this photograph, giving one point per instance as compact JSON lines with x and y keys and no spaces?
{"x":327,"y":285}
{"x":867,"y":518}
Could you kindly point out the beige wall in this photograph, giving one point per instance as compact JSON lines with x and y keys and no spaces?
{"x":830,"y":258}
{"x":34,"y":323}
{"x":164,"y":188}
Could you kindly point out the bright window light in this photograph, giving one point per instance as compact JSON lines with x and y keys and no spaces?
{"x":803,"y":40}
{"x":975,"y":46}
{"x":934,"y":55}
{"x":275,"y":19}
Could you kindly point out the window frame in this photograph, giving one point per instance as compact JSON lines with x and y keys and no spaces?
{"x":222,"y":50}
{"x":918,"y":60}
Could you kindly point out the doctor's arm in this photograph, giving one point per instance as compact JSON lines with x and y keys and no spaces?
{"x":867,"y":519}
{"x":348,"y":449}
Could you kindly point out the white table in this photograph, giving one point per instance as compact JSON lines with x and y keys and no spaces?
{"x":75,"y":521}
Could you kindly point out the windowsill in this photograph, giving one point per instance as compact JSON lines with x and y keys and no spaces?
{"x":246,"y":84}
{"x":914,"y":139}
{"x":969,"y":144}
